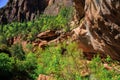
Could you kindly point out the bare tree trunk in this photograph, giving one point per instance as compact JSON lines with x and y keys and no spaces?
{"x":100,"y":30}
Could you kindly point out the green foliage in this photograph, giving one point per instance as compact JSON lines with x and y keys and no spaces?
{"x":15,"y":69}
{"x":3,"y":44}
{"x":6,"y":64}
{"x":59,"y":61}
{"x":2,"y":39}
{"x":17,"y":51}
{"x":29,"y":30}
{"x":32,"y":28}
{"x":100,"y":73}
{"x":26,"y":67}
{"x":63,"y":61}
{"x":66,"y":62}
{"x":108,"y":59}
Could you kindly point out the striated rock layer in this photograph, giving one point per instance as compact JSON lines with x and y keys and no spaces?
{"x":22,"y":10}
{"x":100,"y":29}
{"x":26,"y":10}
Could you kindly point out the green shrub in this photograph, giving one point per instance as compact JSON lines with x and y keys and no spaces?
{"x":15,"y":69}
{"x":6,"y":66}
{"x":26,"y":68}
{"x":17,"y":51}
{"x":100,"y":73}
{"x":32,"y":28}
{"x":59,"y":61}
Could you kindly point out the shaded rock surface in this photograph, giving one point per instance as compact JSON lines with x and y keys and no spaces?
{"x":22,"y":10}
{"x":79,"y":9}
{"x":25,"y":10}
{"x":42,"y":39}
{"x":100,"y":29}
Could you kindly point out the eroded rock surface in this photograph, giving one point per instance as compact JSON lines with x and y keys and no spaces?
{"x":22,"y":10}
{"x":100,"y":29}
{"x":79,"y":9}
{"x":54,"y":6}
{"x":26,"y":10}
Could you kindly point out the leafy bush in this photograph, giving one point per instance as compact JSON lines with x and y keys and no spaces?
{"x":63,"y":61}
{"x":99,"y":72}
{"x":25,"y":69}
{"x":6,"y":66}
{"x":32,"y":28}
{"x":17,"y":51}
{"x":15,"y":69}
{"x":59,"y":61}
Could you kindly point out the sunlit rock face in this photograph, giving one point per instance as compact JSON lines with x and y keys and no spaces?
{"x":100,"y":29}
{"x":54,"y":6}
{"x":22,"y":10}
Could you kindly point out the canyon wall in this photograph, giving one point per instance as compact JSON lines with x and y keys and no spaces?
{"x":98,"y":20}
{"x":26,"y":10}
{"x":99,"y":32}
{"x":22,"y":10}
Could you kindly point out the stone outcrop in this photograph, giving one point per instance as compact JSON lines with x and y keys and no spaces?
{"x":79,"y":9}
{"x":22,"y":10}
{"x":100,"y":29}
{"x":26,"y":10}
{"x":54,"y":6}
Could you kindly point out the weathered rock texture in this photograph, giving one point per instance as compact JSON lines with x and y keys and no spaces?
{"x":54,"y":6}
{"x":100,"y":29}
{"x":79,"y":9}
{"x":25,"y":10}
{"x":22,"y":10}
